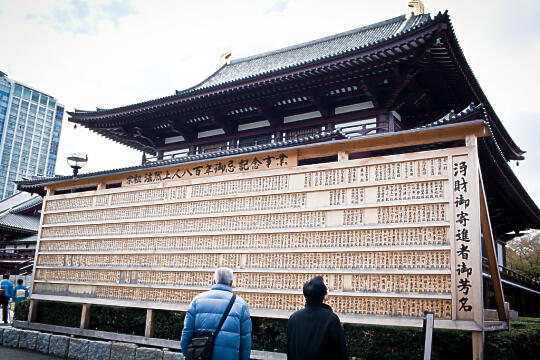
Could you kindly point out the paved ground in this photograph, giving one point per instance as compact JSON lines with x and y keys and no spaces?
{"x":16,"y":354}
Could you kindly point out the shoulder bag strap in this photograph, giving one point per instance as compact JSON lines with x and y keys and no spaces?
{"x":225,"y":315}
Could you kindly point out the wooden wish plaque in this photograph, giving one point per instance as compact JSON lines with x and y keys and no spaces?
{"x":392,"y":236}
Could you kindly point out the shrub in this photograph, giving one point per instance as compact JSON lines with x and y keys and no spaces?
{"x":521,"y":342}
{"x":53,"y":313}
{"x":21,"y":310}
{"x":387,"y":342}
{"x":269,"y":334}
{"x":363,"y":341}
{"x":117,"y":319}
{"x":169,"y":324}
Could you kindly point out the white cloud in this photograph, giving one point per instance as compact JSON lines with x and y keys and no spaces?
{"x":77,"y":16}
{"x":112,"y":53}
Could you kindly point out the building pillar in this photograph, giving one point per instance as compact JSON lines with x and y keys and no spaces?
{"x":383,"y":123}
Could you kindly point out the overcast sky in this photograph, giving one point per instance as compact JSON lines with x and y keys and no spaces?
{"x":107,"y":54}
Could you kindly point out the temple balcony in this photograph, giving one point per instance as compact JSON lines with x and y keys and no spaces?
{"x":512,"y":277}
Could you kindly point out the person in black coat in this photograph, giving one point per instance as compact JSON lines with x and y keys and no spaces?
{"x":315,"y":332}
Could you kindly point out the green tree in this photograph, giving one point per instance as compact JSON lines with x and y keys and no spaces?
{"x":523,"y":254}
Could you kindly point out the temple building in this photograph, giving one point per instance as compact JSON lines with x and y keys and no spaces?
{"x":19,"y":225}
{"x":401,"y":75}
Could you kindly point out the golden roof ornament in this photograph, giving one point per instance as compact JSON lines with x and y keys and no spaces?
{"x":417,"y":7}
{"x":224,"y":58}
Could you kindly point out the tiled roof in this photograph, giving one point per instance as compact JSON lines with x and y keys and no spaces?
{"x":452,"y":117}
{"x":26,"y":185}
{"x":14,"y":200}
{"x":288,"y":58}
{"x":33,"y":202}
{"x":28,"y":239}
{"x":311,"y":51}
{"x":11,"y":208}
{"x":19,"y":222}
{"x":292,"y":57}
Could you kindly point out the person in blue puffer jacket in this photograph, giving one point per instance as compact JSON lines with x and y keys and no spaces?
{"x":233,"y":342}
{"x":6,"y":292}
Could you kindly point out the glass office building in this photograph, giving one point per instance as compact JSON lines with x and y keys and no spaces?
{"x":30,"y":125}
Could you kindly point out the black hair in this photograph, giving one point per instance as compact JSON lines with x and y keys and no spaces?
{"x":6,"y":276}
{"x":314,"y":290}
{"x":20,"y":281}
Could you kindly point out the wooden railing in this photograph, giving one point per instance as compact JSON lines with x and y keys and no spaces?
{"x":17,"y":262}
{"x":354,"y":131}
{"x":511,"y":275}
{"x":168,"y":156}
{"x":364,"y":129}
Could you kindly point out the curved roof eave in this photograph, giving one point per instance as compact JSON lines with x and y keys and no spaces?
{"x":530,"y":209}
{"x":511,"y":149}
{"x":517,"y":152}
{"x":507,"y":175}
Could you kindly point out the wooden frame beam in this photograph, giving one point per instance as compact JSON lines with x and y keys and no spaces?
{"x":402,"y":82}
{"x":369,"y":90}
{"x":143,"y":134}
{"x":489,"y":243}
{"x":270,"y":114}
{"x":411,"y":98}
{"x":181,"y":130}
{"x":33,"y":311}
{"x":220,"y":120}
{"x":478,"y":345}
{"x":85,"y":316}
{"x":150,"y":323}
{"x":326,"y":109}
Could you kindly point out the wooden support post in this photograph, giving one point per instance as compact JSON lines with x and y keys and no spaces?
{"x":85,"y":316}
{"x":428,"y":334}
{"x":32,"y":312}
{"x":490,"y":250}
{"x":149,"y":329}
{"x":471,"y":140}
{"x":478,"y":345}
{"x":507,"y":311}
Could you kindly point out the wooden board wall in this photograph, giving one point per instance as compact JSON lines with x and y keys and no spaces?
{"x":386,"y":233}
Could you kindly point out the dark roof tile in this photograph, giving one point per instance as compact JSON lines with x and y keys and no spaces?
{"x":305,"y":53}
{"x":452,"y":117}
{"x":27,"y":185}
{"x":32,"y":202}
{"x":19,"y":222}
